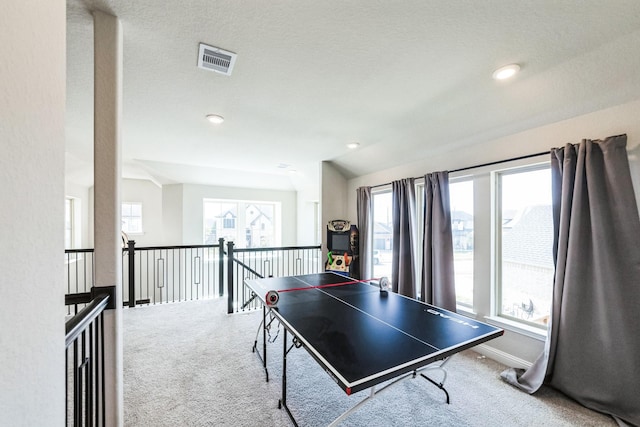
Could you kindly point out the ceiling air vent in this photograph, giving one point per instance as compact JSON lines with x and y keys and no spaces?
{"x":216,"y":59}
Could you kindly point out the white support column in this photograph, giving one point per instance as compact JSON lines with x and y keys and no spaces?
{"x":107,"y":177}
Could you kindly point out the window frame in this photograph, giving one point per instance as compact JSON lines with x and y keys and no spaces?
{"x":497,"y":244}
{"x":73,"y":214}
{"x":386,"y":189}
{"x":122,"y":216}
{"x":70,"y":218}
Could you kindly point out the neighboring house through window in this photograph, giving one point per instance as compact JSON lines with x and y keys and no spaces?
{"x":524,"y":241}
{"x":249,"y":224}
{"x":229,"y":220}
{"x":461,"y":200}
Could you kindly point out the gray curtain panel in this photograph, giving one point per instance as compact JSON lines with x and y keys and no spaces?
{"x":438,"y":280}
{"x":592,"y":352}
{"x":404,"y":229}
{"x":365,"y":230}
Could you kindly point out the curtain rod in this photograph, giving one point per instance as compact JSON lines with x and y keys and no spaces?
{"x":527,"y":156}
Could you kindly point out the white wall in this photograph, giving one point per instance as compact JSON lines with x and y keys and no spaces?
{"x":172,"y":214}
{"x":333,"y":191}
{"x":139,"y":191}
{"x":150,"y":196}
{"x":308,"y":234}
{"x":32,"y":105}
{"x":613,"y":121}
{"x":308,"y":217}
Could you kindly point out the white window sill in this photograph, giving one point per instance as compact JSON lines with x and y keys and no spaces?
{"x":517,"y":327}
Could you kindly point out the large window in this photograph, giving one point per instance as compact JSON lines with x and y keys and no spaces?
{"x":132,"y":218}
{"x":461,"y":198}
{"x":248,"y":224}
{"x":524,"y":243}
{"x":382,"y":234}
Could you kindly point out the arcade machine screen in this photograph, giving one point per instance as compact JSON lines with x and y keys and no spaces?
{"x":340,"y":243}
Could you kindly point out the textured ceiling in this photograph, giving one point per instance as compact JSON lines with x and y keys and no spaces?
{"x":402,"y":78}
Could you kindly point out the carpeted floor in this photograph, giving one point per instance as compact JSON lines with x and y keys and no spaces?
{"x":191,"y":364}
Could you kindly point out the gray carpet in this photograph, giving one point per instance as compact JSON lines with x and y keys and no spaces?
{"x":190,"y":364}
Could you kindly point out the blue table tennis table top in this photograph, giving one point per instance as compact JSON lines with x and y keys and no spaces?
{"x":362,"y":336}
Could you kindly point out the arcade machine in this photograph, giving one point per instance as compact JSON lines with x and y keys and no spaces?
{"x":342,"y":244}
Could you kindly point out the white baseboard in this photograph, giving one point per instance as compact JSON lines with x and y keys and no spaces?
{"x":502,"y":357}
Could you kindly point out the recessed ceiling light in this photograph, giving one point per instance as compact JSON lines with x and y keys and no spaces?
{"x":353,"y":145}
{"x":506,"y":72}
{"x":215,"y":119}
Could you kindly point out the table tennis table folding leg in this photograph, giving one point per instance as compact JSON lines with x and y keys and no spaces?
{"x":373,"y":392}
{"x":440,"y":367}
{"x":282,"y":403}
{"x":264,"y":326}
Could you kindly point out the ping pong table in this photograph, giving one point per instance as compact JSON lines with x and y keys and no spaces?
{"x":360,"y":334}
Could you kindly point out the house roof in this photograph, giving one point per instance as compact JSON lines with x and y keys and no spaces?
{"x":461,"y":216}
{"x":381,"y":228}
{"x":529,"y":238}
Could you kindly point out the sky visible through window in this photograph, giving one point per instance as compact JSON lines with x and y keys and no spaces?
{"x":520,"y":190}
{"x":382,"y":209}
{"x":461,"y":199}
